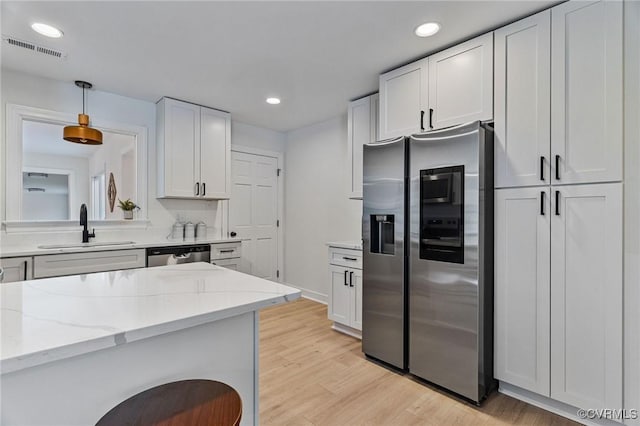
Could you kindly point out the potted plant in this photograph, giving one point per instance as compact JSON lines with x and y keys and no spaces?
{"x":128,"y":207}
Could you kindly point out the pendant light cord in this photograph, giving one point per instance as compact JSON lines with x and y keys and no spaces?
{"x":83,"y":99}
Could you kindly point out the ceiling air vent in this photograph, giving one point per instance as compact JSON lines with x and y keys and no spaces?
{"x":33,"y":47}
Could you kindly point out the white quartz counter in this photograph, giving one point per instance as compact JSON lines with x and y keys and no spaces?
{"x":33,"y":250}
{"x":56,"y":318}
{"x":353,"y":245}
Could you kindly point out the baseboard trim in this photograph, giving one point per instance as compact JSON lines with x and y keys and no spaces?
{"x":310,"y":294}
{"x":551,"y":405}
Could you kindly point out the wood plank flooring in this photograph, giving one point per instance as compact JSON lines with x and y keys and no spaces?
{"x":313,"y":375}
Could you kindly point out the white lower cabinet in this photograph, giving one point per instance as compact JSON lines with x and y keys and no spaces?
{"x":16,"y":269}
{"x":558,"y":292}
{"x":56,"y":265}
{"x":345,"y":295}
{"x":586,"y":295}
{"x":227,"y":255}
{"x":522,"y":287}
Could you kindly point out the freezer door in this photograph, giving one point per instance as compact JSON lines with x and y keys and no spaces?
{"x":444,"y":331}
{"x":383,"y":252}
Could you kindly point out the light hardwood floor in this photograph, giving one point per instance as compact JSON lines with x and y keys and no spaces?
{"x":313,"y":375}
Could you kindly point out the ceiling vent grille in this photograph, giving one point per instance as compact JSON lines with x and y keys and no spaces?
{"x":34,"y":47}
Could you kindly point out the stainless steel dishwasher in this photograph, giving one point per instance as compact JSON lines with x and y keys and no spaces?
{"x":173,"y":255}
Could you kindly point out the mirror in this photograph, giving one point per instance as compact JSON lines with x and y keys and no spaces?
{"x":48,"y":178}
{"x":58,"y":176}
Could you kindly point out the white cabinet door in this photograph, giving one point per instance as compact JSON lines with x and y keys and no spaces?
{"x":522,"y":102}
{"x":215,"y":154}
{"x":16,"y":269}
{"x":358,"y":134}
{"x":586,"y":91}
{"x":355,"y":283}
{"x":375,"y":114}
{"x":586,"y":295}
{"x":339,"y":295}
{"x":403,"y":100}
{"x":522,"y":285}
{"x":461,"y":83}
{"x":178,"y":148}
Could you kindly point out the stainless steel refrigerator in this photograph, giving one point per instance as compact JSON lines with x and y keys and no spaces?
{"x":428,"y":256}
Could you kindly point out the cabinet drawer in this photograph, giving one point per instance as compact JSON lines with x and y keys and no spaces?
{"x":56,"y":265}
{"x":345,"y":257}
{"x":233,"y":264}
{"x":226,"y":250}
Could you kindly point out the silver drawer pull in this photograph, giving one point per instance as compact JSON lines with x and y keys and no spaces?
{"x":227,"y":251}
{"x":349,"y":258}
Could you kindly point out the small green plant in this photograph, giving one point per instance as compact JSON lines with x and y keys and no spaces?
{"x":127,"y":205}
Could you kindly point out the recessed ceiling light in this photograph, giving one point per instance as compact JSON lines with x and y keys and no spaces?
{"x":428,"y":29}
{"x":273,"y":101}
{"x":46,"y":30}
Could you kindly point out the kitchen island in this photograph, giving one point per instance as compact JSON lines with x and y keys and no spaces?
{"x":74,"y":347}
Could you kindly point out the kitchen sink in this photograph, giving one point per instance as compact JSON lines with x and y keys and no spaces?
{"x":78,"y":245}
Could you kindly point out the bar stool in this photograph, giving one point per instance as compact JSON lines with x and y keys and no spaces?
{"x":183,"y":403}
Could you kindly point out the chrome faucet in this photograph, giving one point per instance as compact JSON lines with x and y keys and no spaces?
{"x":83,"y":222}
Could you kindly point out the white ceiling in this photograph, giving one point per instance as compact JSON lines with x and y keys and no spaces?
{"x":316,"y":56}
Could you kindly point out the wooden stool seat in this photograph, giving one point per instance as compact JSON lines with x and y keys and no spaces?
{"x":183,"y":403}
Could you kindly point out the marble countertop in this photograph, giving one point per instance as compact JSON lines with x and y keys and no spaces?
{"x":33,"y":250}
{"x":51,"y":319}
{"x":353,"y":245}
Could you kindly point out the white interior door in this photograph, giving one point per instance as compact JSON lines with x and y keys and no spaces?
{"x":253,"y":212}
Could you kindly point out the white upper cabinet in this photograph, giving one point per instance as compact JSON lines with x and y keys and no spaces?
{"x":361,"y":129}
{"x":451,"y":87}
{"x":461,"y":83}
{"x":522,"y":287}
{"x":404,"y":100}
{"x":522,"y":102}
{"x":194,"y":148}
{"x":586,"y":91}
{"x":586,"y":295}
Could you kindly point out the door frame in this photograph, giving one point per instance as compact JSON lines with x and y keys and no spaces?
{"x":279,"y":156}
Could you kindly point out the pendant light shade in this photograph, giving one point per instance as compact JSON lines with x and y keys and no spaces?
{"x":83,"y":133}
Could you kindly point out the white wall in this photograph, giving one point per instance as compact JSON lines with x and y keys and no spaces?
{"x":22,"y":89}
{"x":317,"y":207}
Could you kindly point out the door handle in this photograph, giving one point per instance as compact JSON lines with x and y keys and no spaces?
{"x":204,"y":189}
{"x":557,"y":167}
{"x":197,"y":188}
{"x":542,"y":168}
{"x":350,"y":279}
{"x":422,"y":120}
{"x":557,"y":203}
{"x":345,"y":277}
{"x":542,"y":203}
{"x":233,"y":233}
{"x":431,"y":118}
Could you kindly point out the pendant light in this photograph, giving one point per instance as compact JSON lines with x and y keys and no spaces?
{"x":82,"y":133}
